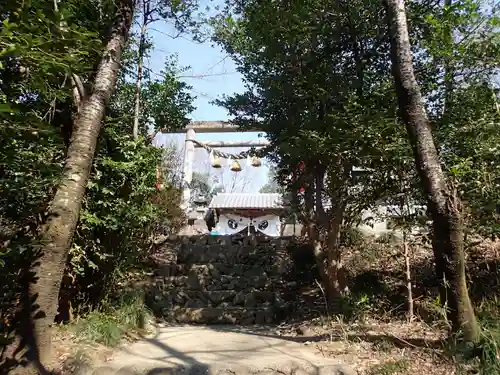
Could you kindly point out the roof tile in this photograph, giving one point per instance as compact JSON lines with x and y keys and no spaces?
{"x":245,"y":200}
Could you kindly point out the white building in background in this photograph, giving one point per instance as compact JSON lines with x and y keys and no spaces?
{"x":379,"y":220}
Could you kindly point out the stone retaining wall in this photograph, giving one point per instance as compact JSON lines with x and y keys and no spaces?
{"x":207,"y":279}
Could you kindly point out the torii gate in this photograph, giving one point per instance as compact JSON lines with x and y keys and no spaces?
{"x":189,"y":153}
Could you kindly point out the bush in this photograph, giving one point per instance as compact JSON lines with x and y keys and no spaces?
{"x":352,"y":237}
{"x":108,"y":325}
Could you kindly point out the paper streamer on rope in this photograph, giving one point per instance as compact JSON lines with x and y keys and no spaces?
{"x":256,"y":162}
{"x":231,"y":224}
{"x":235,"y":166}
{"x":215,"y":161}
{"x":270,"y":225}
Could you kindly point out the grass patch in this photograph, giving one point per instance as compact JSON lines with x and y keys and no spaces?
{"x":390,"y":368}
{"x":488,"y":314}
{"x":484,"y":359}
{"x":490,"y":353}
{"x":109,"y":324}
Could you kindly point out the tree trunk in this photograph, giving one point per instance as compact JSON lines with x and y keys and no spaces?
{"x":409,"y":289}
{"x":334,"y":268}
{"x":64,"y":210}
{"x":443,"y":204}
{"x":309,"y":225}
{"x":140,"y":61}
{"x":326,"y":244}
{"x":448,"y":72}
{"x":338,"y":177}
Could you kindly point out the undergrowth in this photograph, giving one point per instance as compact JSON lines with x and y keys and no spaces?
{"x":109,"y":324}
{"x":402,"y":346}
{"x":372,"y":320}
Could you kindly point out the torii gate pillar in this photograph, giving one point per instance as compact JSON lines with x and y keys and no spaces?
{"x":188,"y":167}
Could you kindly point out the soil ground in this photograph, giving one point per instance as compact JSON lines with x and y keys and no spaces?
{"x":370,"y":349}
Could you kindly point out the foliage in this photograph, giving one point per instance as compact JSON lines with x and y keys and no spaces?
{"x":35,"y":121}
{"x":488,"y":359}
{"x":268,"y":188}
{"x":200,"y":185}
{"x":34,"y":68}
{"x":122,"y":209}
{"x":166,"y":101}
{"x":119,"y":212}
{"x":318,"y":81}
{"x":490,"y":348}
{"x":329,"y":110}
{"x":352,"y":237}
{"x":463,"y":102}
{"x":471,"y":153}
{"x":318,"y":78}
{"x":272,"y":185}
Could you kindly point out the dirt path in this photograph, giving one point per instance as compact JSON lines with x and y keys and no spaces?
{"x":218,"y":350}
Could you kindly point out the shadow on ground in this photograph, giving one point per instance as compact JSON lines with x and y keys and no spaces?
{"x":366,"y":337}
{"x":216,"y":350}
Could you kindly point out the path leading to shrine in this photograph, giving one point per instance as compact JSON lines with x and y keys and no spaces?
{"x":219,"y":350}
{"x":217,"y":298}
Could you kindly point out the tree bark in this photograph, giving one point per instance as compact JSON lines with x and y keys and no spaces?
{"x":309,"y":199}
{"x":443,"y":204}
{"x":326,"y":244}
{"x":409,"y":289}
{"x":57,"y":234}
{"x":448,"y":72}
{"x":140,"y":61}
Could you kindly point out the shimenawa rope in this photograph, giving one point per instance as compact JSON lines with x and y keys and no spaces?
{"x":224,"y":155}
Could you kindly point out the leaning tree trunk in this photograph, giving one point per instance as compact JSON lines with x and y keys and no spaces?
{"x":443,"y":204}
{"x":64,"y":209}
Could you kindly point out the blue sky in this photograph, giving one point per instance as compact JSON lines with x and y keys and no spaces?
{"x":220,"y":78}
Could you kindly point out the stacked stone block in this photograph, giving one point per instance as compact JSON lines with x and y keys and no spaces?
{"x":221,"y":280}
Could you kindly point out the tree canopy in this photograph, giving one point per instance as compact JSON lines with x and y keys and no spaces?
{"x":365,"y":104}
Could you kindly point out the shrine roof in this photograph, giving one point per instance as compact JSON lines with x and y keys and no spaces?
{"x":247,"y":201}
